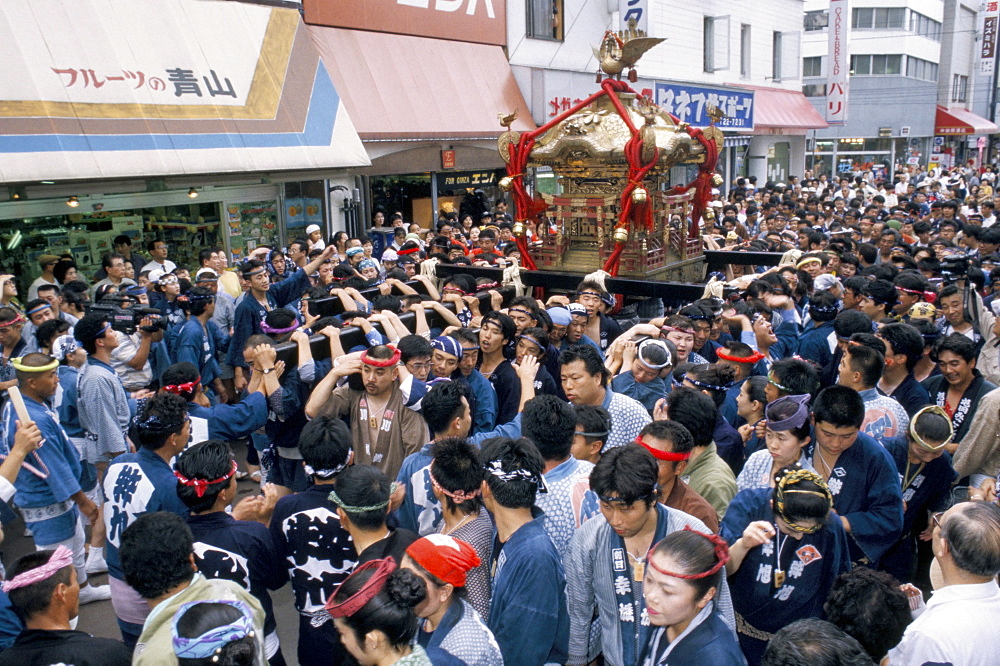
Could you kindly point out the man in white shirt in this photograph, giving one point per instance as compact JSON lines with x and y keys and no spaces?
{"x":960,"y":624}
{"x":48,"y":263}
{"x":158,"y":250}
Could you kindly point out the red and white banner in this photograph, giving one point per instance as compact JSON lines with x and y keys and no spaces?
{"x":838,"y":63}
{"x":988,"y":45}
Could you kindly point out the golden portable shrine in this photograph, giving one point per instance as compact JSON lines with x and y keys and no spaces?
{"x":612,"y":154}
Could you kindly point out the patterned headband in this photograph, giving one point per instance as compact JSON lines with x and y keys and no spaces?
{"x":19,"y":319}
{"x":677,"y":329}
{"x":721,"y":557}
{"x":371,"y":587}
{"x":798,"y":417}
{"x":928,"y":296}
{"x":335,"y":498}
{"x":495,"y":468}
{"x":651,"y":342}
{"x":705,"y":385}
{"x":201,"y":485}
{"x":61,"y":558}
{"x":210,"y":643}
{"x":154,"y":422}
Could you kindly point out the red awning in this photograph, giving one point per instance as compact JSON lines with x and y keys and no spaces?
{"x":961,"y":121}
{"x":776,"y":108}
{"x":400,"y":87}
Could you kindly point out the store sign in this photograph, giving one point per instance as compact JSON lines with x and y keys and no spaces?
{"x":447,"y":159}
{"x":988,"y":50}
{"x":637,"y":10}
{"x":838,"y":67}
{"x":479,"y":21}
{"x":691,"y":105}
{"x":474,"y":179}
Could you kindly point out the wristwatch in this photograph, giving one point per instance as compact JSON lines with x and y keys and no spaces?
{"x":267,"y":370}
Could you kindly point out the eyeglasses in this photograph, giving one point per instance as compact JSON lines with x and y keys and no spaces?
{"x":418,"y":366}
{"x":936,"y":519}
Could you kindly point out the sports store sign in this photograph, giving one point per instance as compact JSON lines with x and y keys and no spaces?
{"x":479,"y":21}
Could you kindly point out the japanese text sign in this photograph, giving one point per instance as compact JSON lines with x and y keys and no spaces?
{"x":691,"y":105}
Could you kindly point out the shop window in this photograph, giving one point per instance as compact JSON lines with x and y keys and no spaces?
{"x":545,"y":19}
{"x":878,"y":18}
{"x":812,"y":66}
{"x":785,"y":59}
{"x":715,"y":30}
{"x":816,"y":20}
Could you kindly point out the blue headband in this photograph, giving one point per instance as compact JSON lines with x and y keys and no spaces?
{"x":136,"y":291}
{"x":212,"y":641}
{"x":448,"y":345}
{"x":560,"y":316}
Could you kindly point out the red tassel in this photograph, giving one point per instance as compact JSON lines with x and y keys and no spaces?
{"x":633,"y":76}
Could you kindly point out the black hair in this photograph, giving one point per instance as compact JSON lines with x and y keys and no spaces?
{"x":591,"y":358}
{"x":161,"y":416}
{"x":957,"y":344}
{"x":721,"y":376}
{"x":823,"y":306}
{"x":695,"y":411}
{"x":325,"y":443}
{"x":868,"y":605}
{"x":280,"y":318}
{"x":108,"y":258}
{"x":593,"y":419}
{"x":785,"y":410}
{"x":679,"y":437}
{"x":839,"y":406}
{"x":540,"y":336}
{"x":443,"y":404}
{"x":549,"y":422}
{"x":810,"y":505}
{"x":36,"y":598}
{"x":629,"y":473}
{"x":463,"y":281}
{"x":49,"y":330}
{"x":387,"y":302}
{"x":814,"y":642}
{"x":457,"y":469}
{"x":62,"y":268}
{"x":692,"y":553}
{"x":390,"y":611}
{"x":866,"y":361}
{"x":508,"y":329}
{"x":973,"y":537}
{"x":249,"y":266}
{"x":466,"y":335}
{"x":87,"y":330}
{"x":849,"y":322}
{"x":362,"y":486}
{"x":206,"y":616}
{"x":932,"y":427}
{"x":207,"y":460}
{"x":511,"y":455}
{"x":654,"y":355}
{"x":904,"y":339}
{"x":755,"y":389}
{"x":155,"y":553}
{"x":184,"y":372}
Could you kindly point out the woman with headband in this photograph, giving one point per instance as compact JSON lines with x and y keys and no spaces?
{"x":926,"y":476}
{"x":786,"y":436}
{"x":448,"y":621}
{"x":534,"y":341}
{"x":373,"y":609}
{"x":215,"y":633}
{"x":786,"y":549}
{"x":680,"y":586}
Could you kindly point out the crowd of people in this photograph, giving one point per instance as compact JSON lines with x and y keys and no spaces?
{"x":485,"y":479}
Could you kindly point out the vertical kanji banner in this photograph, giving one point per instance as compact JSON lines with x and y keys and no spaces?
{"x":838,"y":63}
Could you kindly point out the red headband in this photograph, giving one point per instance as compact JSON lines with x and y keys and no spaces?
{"x":756,"y":356}
{"x":16,"y":320}
{"x":721,"y":554}
{"x":201,"y":485}
{"x":405,"y":252}
{"x":662,"y":455}
{"x":458,"y":496}
{"x":372,"y":586}
{"x":445,"y":557}
{"x":487,"y":285}
{"x":928,"y":296}
{"x":177,"y":389}
{"x":382,"y":362}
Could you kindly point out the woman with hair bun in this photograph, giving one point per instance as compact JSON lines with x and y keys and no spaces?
{"x":215,"y":633}
{"x":373,"y":609}
{"x":680,"y":585}
{"x":786,"y":548}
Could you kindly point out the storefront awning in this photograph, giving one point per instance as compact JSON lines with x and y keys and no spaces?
{"x":952,"y":122}
{"x":787,"y":110}
{"x":96,"y":89}
{"x":404,"y":88}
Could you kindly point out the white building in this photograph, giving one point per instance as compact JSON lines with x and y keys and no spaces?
{"x":728,"y":48}
{"x":914,"y":76}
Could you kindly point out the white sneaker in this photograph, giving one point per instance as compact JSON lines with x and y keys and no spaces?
{"x":91,"y":593}
{"x":96,"y":564}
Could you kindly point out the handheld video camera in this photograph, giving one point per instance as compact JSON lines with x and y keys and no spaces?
{"x":954,"y":268}
{"x":128,"y":320}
